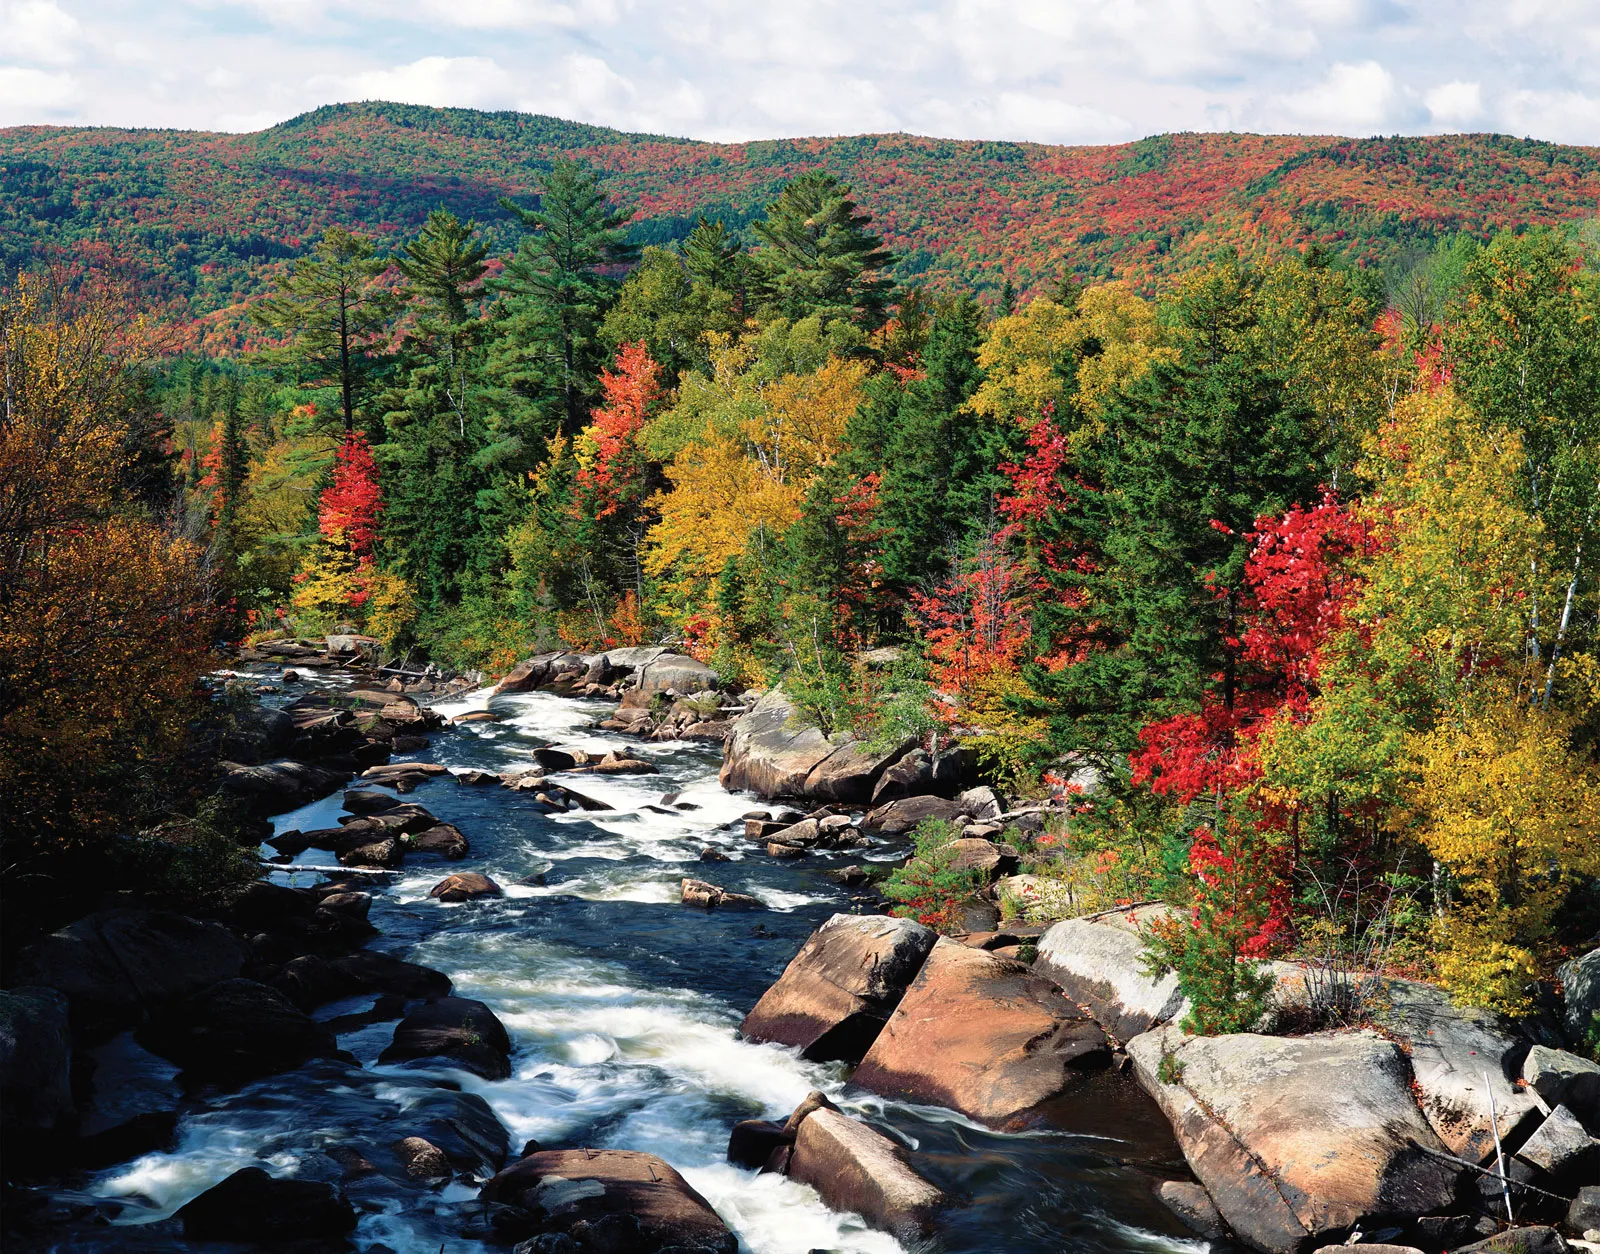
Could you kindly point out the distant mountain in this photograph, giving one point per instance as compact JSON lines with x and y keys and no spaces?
{"x":204,"y":220}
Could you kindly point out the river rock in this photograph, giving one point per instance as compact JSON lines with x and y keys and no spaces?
{"x":465,"y":886}
{"x":1562,"y":1149}
{"x":279,"y":785}
{"x":1452,"y":1048}
{"x":310,"y":981}
{"x":834,"y":997}
{"x":237,"y":1030}
{"x":1098,"y":962}
{"x":365,"y":801}
{"x":1580,"y":993}
{"x":387,"y":853}
{"x":850,"y":774}
{"x":35,"y":1067}
{"x":678,"y":673}
{"x":771,"y":752}
{"x":422,"y":1159}
{"x":256,"y":733}
{"x":1193,"y":1205}
{"x":988,"y":859}
{"x":700,"y":893}
{"x":1561,"y":1078}
{"x":443,"y":839}
{"x":981,"y":803}
{"x":854,"y":1168}
{"x":116,"y":965}
{"x":983,"y":1035}
{"x":1584,"y":1213}
{"x":253,"y":1207}
{"x":1534,"y":1240}
{"x":899,"y":817}
{"x":564,"y":1190}
{"x":457,"y":1031}
{"x":1298,"y":1139}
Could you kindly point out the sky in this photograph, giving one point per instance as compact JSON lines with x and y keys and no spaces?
{"x":1058,"y":71}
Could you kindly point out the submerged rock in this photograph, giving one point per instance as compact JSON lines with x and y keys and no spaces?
{"x":983,"y":1035}
{"x":836,"y":994}
{"x":237,"y":1030}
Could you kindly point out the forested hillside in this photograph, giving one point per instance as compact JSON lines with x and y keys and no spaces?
{"x":209,"y":220}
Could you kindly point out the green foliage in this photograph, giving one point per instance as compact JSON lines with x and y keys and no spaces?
{"x":932,"y":886}
{"x":817,"y":256}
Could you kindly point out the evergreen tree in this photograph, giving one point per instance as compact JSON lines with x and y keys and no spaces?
{"x":817,"y":256}
{"x":435,"y":420}
{"x":939,"y":458}
{"x":1188,"y":457}
{"x":337,"y":314}
{"x":548,"y":352}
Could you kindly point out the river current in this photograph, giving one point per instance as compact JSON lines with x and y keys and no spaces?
{"x":623,"y":1007}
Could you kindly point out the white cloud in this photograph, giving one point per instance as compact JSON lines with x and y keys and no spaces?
{"x":1455,"y":104}
{"x":39,"y":32}
{"x":469,"y":82}
{"x":1051,"y":70}
{"x":1351,"y":100}
{"x":29,"y":95}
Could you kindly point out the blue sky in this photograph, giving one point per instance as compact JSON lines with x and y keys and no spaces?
{"x":1066,"y":71}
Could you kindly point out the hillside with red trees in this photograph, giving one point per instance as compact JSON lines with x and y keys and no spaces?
{"x":207,"y":221}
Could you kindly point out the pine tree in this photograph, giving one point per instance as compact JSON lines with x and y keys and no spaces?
{"x":548,"y":351}
{"x":336,"y":313}
{"x":435,"y":421}
{"x":817,"y":256}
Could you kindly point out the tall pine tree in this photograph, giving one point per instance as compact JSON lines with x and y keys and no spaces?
{"x":817,"y":257}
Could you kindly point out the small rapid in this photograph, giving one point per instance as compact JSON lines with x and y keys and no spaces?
{"x":623,"y":1006}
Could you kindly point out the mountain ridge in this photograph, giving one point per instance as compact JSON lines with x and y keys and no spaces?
{"x":204,"y":220}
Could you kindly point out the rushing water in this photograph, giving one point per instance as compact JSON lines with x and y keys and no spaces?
{"x":623,"y":1007}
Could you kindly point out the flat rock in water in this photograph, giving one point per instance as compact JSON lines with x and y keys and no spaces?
{"x":983,"y":1035}
{"x":237,"y":1030}
{"x":443,"y":839}
{"x":700,"y":893}
{"x":899,"y":817}
{"x":836,"y":994}
{"x":576,"y":1186}
{"x":1298,"y":1139}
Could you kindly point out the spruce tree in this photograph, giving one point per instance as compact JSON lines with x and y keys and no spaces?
{"x":817,"y":256}
{"x":435,"y":419}
{"x":547,"y":352}
{"x":337,"y":315}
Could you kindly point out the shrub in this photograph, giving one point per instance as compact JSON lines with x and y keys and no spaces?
{"x":931,"y":886}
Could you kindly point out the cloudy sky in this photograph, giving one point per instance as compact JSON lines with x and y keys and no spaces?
{"x":1073,"y":71}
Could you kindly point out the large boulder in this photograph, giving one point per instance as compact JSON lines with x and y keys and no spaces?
{"x":1098,"y":962}
{"x":984,"y":1035}
{"x":1298,"y":1139}
{"x":255,"y":733}
{"x":896,"y":818}
{"x":544,"y":671}
{"x":854,"y":1168}
{"x":310,"y":981}
{"x":279,"y":785}
{"x":1455,"y":1050}
{"x":237,"y":1030}
{"x":253,"y":1207}
{"x":850,"y":773}
{"x":35,"y":1065}
{"x":834,"y":997}
{"x":457,"y":1032}
{"x":118,"y":965}
{"x":916,"y":773}
{"x":1580,"y":991}
{"x":560,"y":1191}
{"x":1561,"y":1078}
{"x":677,"y":672}
{"x":771,"y":752}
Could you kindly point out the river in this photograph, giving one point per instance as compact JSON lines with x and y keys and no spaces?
{"x":623,"y":1007}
